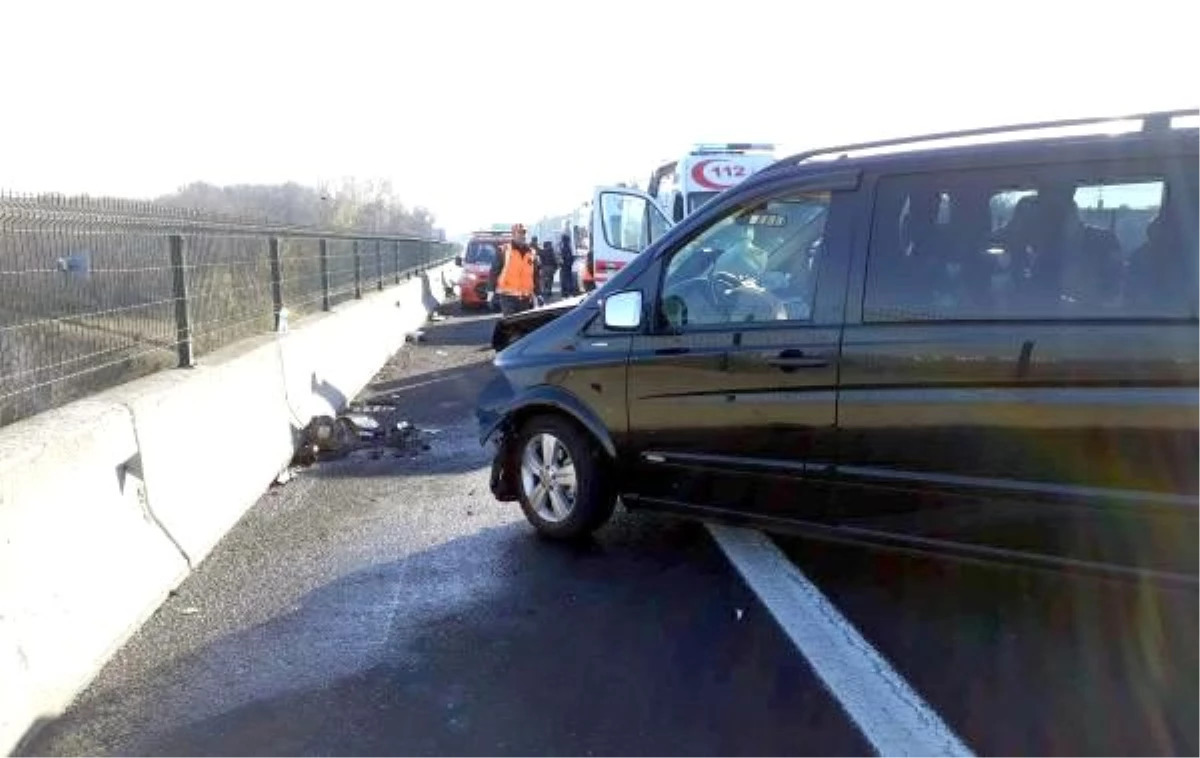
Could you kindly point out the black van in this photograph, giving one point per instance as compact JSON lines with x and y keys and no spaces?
{"x":987,"y":350}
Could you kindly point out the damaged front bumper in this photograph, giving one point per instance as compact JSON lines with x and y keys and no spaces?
{"x":503,"y":482}
{"x":495,"y":429}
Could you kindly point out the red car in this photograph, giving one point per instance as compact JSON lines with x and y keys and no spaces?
{"x":476,"y":262}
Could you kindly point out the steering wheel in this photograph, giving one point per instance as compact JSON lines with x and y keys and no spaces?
{"x":714,"y":299}
{"x":730,"y":292}
{"x":721,"y":283}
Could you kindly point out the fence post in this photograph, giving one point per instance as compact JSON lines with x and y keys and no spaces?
{"x":357,"y":272}
{"x":324,"y":255}
{"x":379,"y":265}
{"x":179,"y":288}
{"x":396,"y":254}
{"x":276,"y":278}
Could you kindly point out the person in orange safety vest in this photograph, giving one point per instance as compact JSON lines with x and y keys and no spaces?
{"x":513,"y":273}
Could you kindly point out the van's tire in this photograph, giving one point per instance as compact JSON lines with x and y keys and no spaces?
{"x":550,"y":449}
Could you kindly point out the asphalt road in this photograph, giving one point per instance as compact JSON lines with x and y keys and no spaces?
{"x":391,"y":606}
{"x":384,"y":604}
{"x":1021,"y":662}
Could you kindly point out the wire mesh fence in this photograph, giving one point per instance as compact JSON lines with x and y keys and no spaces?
{"x":300,"y":275}
{"x":341,"y":259}
{"x":229,"y":289}
{"x":97,"y":292}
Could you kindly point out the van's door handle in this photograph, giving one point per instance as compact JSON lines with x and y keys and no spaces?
{"x":790,"y":360}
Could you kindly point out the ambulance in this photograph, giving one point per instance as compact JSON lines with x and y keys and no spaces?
{"x":620,"y":221}
{"x":624,"y":221}
{"x":683,"y":186}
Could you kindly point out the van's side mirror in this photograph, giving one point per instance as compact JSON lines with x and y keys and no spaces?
{"x":458,"y":261}
{"x":623,"y":311}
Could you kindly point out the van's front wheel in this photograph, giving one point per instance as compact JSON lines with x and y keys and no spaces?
{"x":565,"y":490}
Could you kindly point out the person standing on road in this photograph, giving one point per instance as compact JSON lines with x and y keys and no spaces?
{"x":547,"y":267}
{"x":535,"y":245}
{"x":512,"y":273}
{"x":566,"y":260}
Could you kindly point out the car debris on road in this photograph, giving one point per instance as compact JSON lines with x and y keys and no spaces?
{"x":364,"y":427}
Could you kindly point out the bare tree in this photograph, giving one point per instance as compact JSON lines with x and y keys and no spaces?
{"x":350,"y":204}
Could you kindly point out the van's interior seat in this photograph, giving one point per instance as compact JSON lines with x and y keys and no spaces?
{"x":1152,"y":280}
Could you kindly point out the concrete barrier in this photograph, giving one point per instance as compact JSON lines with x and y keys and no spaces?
{"x":214,"y":437}
{"x":331,"y":359}
{"x":82,"y":560}
{"x":105,"y":504}
{"x":211,"y":438}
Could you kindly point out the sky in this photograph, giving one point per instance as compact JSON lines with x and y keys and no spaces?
{"x":490,"y":112}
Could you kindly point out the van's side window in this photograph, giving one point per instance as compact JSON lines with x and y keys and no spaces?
{"x":757,"y":263}
{"x":1059,"y":242}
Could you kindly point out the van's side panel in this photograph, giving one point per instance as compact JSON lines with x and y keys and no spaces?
{"x":1074,"y":439}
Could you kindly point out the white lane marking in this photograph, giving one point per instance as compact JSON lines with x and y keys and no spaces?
{"x":888,"y":712}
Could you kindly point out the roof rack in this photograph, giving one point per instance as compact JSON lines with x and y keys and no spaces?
{"x":1151,"y":122}
{"x":704,"y":148}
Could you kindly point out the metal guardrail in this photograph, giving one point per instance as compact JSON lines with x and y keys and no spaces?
{"x":95,"y":293}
